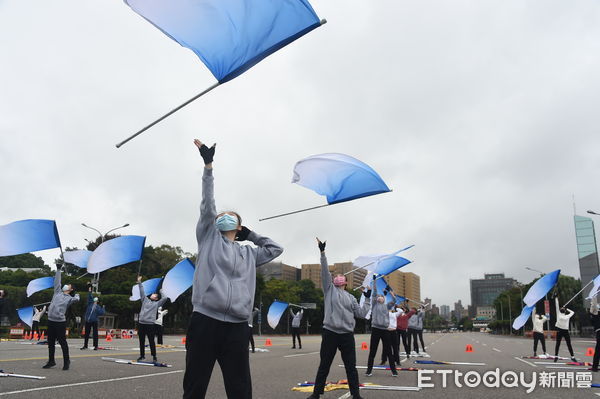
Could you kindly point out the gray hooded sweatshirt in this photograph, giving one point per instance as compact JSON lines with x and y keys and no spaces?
{"x":340,"y":306}
{"x":225,"y":275}
{"x":60,"y":300}
{"x":416,"y":321}
{"x":149,"y":307}
{"x":297,"y":318}
{"x":380,"y":311}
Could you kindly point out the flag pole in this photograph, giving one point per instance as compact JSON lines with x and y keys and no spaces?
{"x":291,"y":213}
{"x":362,"y":267}
{"x":580,"y":291}
{"x":171,"y":112}
{"x":298,"y":306}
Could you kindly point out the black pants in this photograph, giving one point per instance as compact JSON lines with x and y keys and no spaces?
{"x":88,"y":328}
{"x":56,"y":332}
{"x":420,"y":334}
{"x":296,"y":333}
{"x":330,"y":344}
{"x":560,"y":333}
{"x":538,"y":337}
{"x":403,"y":336}
{"x":596,"y":352}
{"x":392,"y":347}
{"x":35,"y":328}
{"x":412,"y":338}
{"x":159,"y":334}
{"x":143,"y":331}
{"x":251,"y":338}
{"x":209,"y":340}
{"x":378,"y":334}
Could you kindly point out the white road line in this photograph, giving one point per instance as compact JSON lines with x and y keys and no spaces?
{"x":525,"y":361}
{"x":567,"y":367}
{"x":497,"y":350}
{"x":484,"y":344}
{"x":302,"y":354}
{"x":90,"y":382}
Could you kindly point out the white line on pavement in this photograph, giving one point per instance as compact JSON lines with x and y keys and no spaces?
{"x":525,"y":361}
{"x":302,"y":354}
{"x":89,"y":382}
{"x":567,"y":367}
{"x":497,"y":350}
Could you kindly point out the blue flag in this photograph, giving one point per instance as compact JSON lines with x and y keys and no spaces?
{"x":116,"y":252}
{"x":26,"y":315}
{"x":339,"y":177}
{"x":78,"y":257}
{"x":541,"y":288}
{"x":178,"y":279}
{"x":229,"y":36}
{"x":276,"y":310}
{"x":150,"y":287}
{"x":523,"y":317}
{"x":39,"y":284}
{"x":29,"y":235}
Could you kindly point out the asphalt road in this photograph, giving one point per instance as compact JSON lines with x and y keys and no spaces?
{"x":274,"y":373}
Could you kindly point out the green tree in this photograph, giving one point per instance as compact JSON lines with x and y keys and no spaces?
{"x":24,"y":261}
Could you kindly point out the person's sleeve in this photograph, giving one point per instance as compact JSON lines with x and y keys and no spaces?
{"x":76,"y":298}
{"x":325,"y":275}
{"x":43,"y":311}
{"x":570,"y":313}
{"x":360,"y":311}
{"x":165,"y":311}
{"x":557,"y":305}
{"x":162,"y":300}
{"x":390,"y":305}
{"x":142,"y":292}
{"x":266,"y":249}
{"x":594,"y":305}
{"x":90,"y":298}
{"x":208,"y":209}
{"x":57,"y":281}
{"x":374,"y":294}
{"x":544,"y":319}
{"x":101,"y":310}
{"x":533,"y":313}
{"x":301,"y":313}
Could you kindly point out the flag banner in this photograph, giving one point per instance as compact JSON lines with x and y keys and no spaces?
{"x":370,"y":262}
{"x":178,"y":279}
{"x":339,"y":177}
{"x":596,"y":288}
{"x":26,"y":315}
{"x":276,"y":310}
{"x":39,"y":284}
{"x":523,"y":317}
{"x":116,"y":252}
{"x":541,"y":288}
{"x":230,"y":36}
{"x":150,"y":287}
{"x":29,"y":235}
{"x":400,"y":299}
{"x":78,"y":258}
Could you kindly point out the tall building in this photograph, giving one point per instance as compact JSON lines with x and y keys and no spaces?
{"x":445,"y":312}
{"x":485,"y":291}
{"x":313,"y":272}
{"x":406,"y":284}
{"x":587,"y":252}
{"x":278,"y":271}
{"x":458,"y":310}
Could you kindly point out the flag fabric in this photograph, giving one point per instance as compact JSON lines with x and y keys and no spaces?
{"x":523,"y":317}
{"x":29,"y":235}
{"x":116,"y":252}
{"x":178,"y":279}
{"x":150,"y":287}
{"x":371,"y":262}
{"x":541,"y":288}
{"x":78,"y":257}
{"x":26,"y":315}
{"x":339,"y":177}
{"x":39,"y":284}
{"x":230,"y":36}
{"x":276,"y":310}
{"x":596,"y":288}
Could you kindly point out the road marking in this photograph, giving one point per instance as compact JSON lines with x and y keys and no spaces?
{"x":80,"y":356}
{"x":302,"y":354}
{"x":525,"y":361}
{"x":497,"y":350}
{"x":484,"y":344}
{"x":567,"y":367}
{"x":90,"y":382}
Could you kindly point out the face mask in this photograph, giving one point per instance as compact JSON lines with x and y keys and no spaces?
{"x":339,"y":281}
{"x":380,"y":299}
{"x":226,"y":222}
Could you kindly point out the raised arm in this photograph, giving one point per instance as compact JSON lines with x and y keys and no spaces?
{"x":208,"y":209}
{"x":266,"y":249}
{"x":556,"y":304}
{"x":594,"y":305}
{"x":43,"y":311}
{"x":163,"y":298}
{"x":141,"y":287}
{"x":361,"y":311}
{"x":325,"y":275}
{"x":57,"y":280}
{"x":291,"y":312}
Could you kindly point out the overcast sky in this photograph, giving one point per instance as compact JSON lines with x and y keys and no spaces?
{"x":481,"y":116}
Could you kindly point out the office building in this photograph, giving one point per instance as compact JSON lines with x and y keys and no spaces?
{"x":485,"y":291}
{"x":587,"y":252}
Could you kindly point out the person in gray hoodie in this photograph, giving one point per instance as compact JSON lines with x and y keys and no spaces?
{"x":296,"y":320}
{"x":57,"y":322}
{"x":338,"y":328}
{"x":380,"y":321}
{"x":415,"y":329}
{"x":222,"y":294}
{"x":146,"y":320}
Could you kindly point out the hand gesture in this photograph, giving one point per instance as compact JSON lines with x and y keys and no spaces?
{"x":321,"y":245}
{"x":206,"y":153}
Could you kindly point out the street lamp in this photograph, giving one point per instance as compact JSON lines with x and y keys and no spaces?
{"x":96,"y":279}
{"x":593,"y":213}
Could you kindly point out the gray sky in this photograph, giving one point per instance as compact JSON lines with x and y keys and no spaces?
{"x":482,"y":117}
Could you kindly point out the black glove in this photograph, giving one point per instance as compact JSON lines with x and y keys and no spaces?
{"x":388,"y":288}
{"x":374,"y":276}
{"x":207,"y":153}
{"x":367,"y":294}
{"x":242,"y":235}
{"x":385,"y":292}
{"x":322,"y":246}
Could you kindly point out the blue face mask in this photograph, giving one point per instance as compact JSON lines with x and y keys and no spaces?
{"x":227,"y":222}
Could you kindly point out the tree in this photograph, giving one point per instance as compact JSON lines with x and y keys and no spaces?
{"x":23,"y":261}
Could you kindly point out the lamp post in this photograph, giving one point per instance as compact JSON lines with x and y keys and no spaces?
{"x":542,"y":274}
{"x":96,"y":279}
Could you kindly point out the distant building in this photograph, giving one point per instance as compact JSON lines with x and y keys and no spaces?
{"x":587,"y":252}
{"x":445,"y":312}
{"x":486,"y":313}
{"x":278,"y":271}
{"x":485,"y":291}
{"x":406,"y":284}
{"x":458,"y":310}
{"x":313,"y":272}
{"x":435,"y":310}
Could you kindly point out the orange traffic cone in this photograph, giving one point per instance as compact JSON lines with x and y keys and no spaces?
{"x":108,"y":337}
{"x":183,"y":340}
{"x":24,"y":334}
{"x":35,"y":336}
{"x":469,"y":348}
{"x":364,"y":346}
{"x":29,"y":335}
{"x":590,"y":352}
{"x":268,"y":342}
{"x":42,"y":336}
